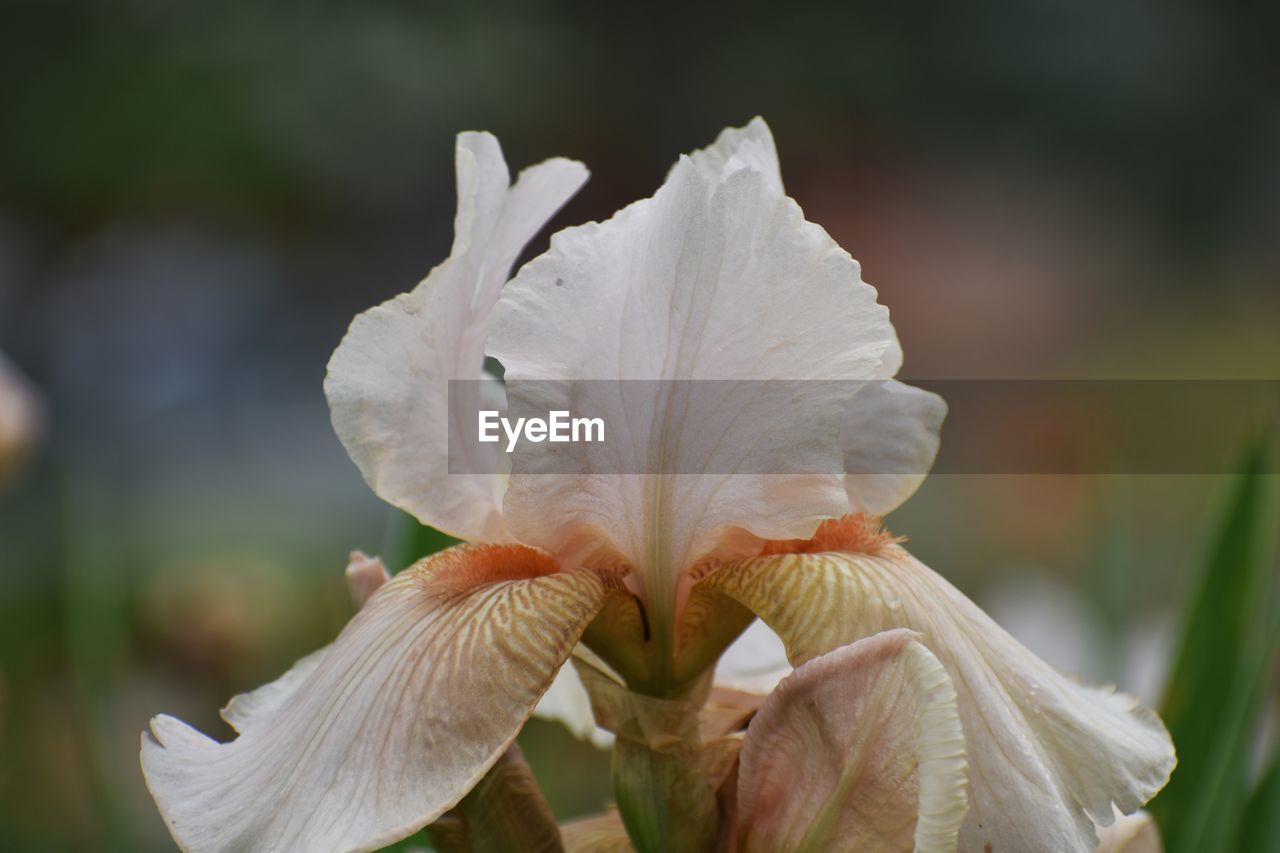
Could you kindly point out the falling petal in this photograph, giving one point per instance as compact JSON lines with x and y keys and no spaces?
{"x":1047,"y":756}
{"x":393,"y":724}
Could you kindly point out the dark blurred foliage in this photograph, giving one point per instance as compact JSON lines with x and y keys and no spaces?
{"x":196,"y":198}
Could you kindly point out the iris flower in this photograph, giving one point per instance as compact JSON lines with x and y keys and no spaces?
{"x":910,"y":720}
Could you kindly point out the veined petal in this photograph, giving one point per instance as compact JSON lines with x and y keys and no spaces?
{"x":717,"y":277}
{"x":1047,"y":756}
{"x":860,"y":749}
{"x":890,"y":437}
{"x":397,"y":720}
{"x":388,"y":381}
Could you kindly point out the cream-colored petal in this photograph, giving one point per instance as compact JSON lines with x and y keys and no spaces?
{"x":1130,"y":833}
{"x":890,"y":437}
{"x":750,"y":147}
{"x":717,"y":277}
{"x":396,"y":721}
{"x":755,"y":662}
{"x":1047,"y":756}
{"x":246,"y":709}
{"x":566,"y":702}
{"x":859,"y":749}
{"x":388,"y":381}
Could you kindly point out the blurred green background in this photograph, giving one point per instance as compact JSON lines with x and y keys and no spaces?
{"x":195,"y":199}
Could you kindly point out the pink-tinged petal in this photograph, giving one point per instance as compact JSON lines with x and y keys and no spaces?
{"x":393,"y":724}
{"x":388,"y":381}
{"x":20,"y":418}
{"x":755,"y":662}
{"x":860,"y":749}
{"x":716,"y":277}
{"x":1130,"y":833}
{"x":890,"y":437}
{"x":1047,"y":756}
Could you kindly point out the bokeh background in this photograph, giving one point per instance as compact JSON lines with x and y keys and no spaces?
{"x":195,"y":199}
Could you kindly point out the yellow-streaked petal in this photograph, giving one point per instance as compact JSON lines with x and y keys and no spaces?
{"x":388,"y":380}
{"x":397,"y":720}
{"x":1047,"y":756}
{"x":860,"y":749}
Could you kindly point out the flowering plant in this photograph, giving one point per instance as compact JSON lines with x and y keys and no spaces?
{"x":613,"y":600}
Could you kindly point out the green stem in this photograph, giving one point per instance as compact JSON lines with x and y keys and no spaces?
{"x":665,"y":803}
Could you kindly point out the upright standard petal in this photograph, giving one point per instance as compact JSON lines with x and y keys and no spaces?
{"x":750,"y":147}
{"x":890,"y":438}
{"x":717,"y":277}
{"x":860,"y":749}
{"x":1047,"y":756}
{"x":388,"y":381}
{"x":394,"y":723}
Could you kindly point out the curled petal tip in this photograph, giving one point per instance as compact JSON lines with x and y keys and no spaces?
{"x":365,"y":575}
